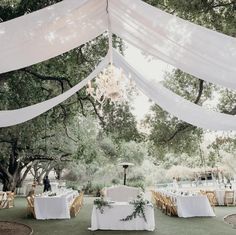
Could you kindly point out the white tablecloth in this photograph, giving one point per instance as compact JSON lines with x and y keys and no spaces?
{"x":54,"y":186}
{"x":193,"y":206}
{"x":111,"y":218}
{"x":190,"y":205}
{"x":55,"y":207}
{"x":220,"y":196}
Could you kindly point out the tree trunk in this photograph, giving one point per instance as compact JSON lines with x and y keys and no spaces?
{"x":10,"y":184}
{"x":11,"y":180}
{"x":58,"y":172}
{"x":39,"y":179}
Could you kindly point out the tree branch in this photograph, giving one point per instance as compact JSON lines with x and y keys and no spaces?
{"x":95,"y":109}
{"x":200,"y":90}
{"x":64,"y":123}
{"x":60,"y":80}
{"x":183,"y":126}
{"x":4,"y":171}
{"x":232,"y":111}
{"x":63,"y":157}
{"x":46,"y":78}
{"x":40,"y":157}
{"x":212,"y":6}
{"x":27,"y":170}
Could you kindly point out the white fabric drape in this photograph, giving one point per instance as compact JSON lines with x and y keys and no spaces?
{"x":54,"y":30}
{"x":196,"y":50}
{"x":59,"y":28}
{"x":49,"y":32}
{"x":13,"y":117}
{"x":176,"y":105}
{"x":110,"y":219}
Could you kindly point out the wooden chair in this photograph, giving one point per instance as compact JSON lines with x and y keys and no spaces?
{"x":10,"y":199}
{"x":202,"y":192}
{"x":30,"y":206}
{"x":165,"y":202}
{"x":171,"y":208}
{"x":76,"y":205}
{"x":212,"y":199}
{"x":3,"y":200}
{"x":229,"y":198}
{"x":7,"y":199}
{"x":156,"y":199}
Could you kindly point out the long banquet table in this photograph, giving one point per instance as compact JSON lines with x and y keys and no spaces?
{"x":111,"y":218}
{"x":54,"y":207}
{"x":191,"y":205}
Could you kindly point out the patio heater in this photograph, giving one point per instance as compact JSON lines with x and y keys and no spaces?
{"x":125,"y":166}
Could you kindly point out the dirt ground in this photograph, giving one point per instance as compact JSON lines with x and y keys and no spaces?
{"x":231,"y":219}
{"x":12,"y":228}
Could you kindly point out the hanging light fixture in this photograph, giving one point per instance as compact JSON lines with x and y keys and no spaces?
{"x":110,"y":84}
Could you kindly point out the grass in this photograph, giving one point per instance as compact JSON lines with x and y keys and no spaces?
{"x":165,"y":225}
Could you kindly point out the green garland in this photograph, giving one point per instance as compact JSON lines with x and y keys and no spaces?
{"x":101,"y":203}
{"x":139,"y":209}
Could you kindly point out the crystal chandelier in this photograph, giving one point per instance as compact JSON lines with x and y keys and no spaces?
{"x":110,"y":84}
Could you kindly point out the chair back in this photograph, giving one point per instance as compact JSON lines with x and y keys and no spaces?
{"x":229,"y":198}
{"x":212,"y":198}
{"x":122,"y":193}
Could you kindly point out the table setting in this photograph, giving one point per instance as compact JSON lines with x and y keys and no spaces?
{"x":129,"y":212}
{"x":54,"y":205}
{"x":189,"y":204}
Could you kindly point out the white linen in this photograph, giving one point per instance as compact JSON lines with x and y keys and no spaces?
{"x":122,"y":193}
{"x":13,"y":117}
{"x":190,"y":205}
{"x":193,"y":206}
{"x":54,"y":186}
{"x":55,"y":207}
{"x":56,"y":29}
{"x":201,"y":52}
{"x":111,"y":218}
{"x":220,"y":196}
{"x":49,"y":32}
{"x":169,"y":101}
{"x":176,"y":105}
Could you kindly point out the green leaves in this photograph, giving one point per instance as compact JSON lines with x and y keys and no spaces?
{"x":139,"y":209}
{"x":100,"y":204}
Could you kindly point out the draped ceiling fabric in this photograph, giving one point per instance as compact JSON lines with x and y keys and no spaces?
{"x":49,"y":32}
{"x":196,"y":50}
{"x":17,"y":116}
{"x":54,"y":30}
{"x":175,"y":104}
